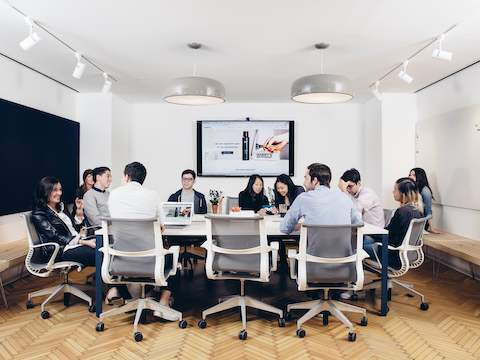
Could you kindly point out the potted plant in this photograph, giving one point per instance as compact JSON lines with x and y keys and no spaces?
{"x":215,"y":199}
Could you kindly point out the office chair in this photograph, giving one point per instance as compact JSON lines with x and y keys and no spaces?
{"x":387,"y":215}
{"x":137,"y":256}
{"x":36,"y":266}
{"x":411,"y":257}
{"x":329,"y":257}
{"x":237,"y":248}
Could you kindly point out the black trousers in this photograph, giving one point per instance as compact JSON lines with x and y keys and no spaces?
{"x":82,"y":254}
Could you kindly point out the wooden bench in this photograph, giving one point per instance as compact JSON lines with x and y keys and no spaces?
{"x":457,"y":252}
{"x":12,"y":257}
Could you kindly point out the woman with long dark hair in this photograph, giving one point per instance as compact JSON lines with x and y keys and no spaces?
{"x":88,"y":182}
{"x":419,"y":176}
{"x":406,"y":193}
{"x":253,"y":197}
{"x":285,"y":191}
{"x":54,"y":225}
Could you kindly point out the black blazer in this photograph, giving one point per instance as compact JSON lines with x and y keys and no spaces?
{"x":247,"y":202}
{"x":50,"y":228}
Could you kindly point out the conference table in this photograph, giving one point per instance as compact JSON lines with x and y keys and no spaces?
{"x":198,"y":229}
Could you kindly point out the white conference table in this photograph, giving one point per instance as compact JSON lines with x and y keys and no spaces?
{"x":272,"y":224}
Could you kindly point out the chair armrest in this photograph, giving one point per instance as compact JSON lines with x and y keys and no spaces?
{"x":56,"y":249}
{"x":274,"y":246}
{"x":145,"y":253}
{"x":292,"y":258}
{"x":175,"y":251}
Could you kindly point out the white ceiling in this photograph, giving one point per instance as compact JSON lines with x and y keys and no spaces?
{"x":255,"y":48}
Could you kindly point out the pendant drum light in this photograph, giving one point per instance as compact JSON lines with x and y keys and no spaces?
{"x":322,"y":88}
{"x":195,"y":90}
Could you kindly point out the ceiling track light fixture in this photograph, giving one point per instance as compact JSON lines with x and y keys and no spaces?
{"x":107,"y":85}
{"x":32,"y":39}
{"x":377,"y":92}
{"x":79,"y":68}
{"x":322,"y":88}
{"x":439,"y":53}
{"x":195,"y":90}
{"x":403,"y":73}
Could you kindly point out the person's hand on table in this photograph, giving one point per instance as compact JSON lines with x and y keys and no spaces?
{"x":274,"y":210}
{"x":262,"y":212}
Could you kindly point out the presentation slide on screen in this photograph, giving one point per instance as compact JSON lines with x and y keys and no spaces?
{"x":239,"y":148}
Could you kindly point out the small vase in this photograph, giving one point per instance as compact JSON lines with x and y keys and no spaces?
{"x":215,"y":208}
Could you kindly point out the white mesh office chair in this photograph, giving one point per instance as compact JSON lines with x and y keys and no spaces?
{"x":411,"y":257}
{"x":329,"y":257}
{"x":387,"y":215}
{"x":38,"y":267}
{"x":237,"y":248}
{"x":137,"y":256}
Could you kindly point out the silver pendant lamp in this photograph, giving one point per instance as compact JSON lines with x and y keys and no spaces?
{"x":195,"y":90}
{"x":322,"y":88}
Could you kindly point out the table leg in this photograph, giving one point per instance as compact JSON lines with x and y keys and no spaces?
{"x":98,"y":275}
{"x":384,"y":260}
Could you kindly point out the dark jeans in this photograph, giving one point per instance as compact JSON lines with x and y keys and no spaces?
{"x":82,"y":254}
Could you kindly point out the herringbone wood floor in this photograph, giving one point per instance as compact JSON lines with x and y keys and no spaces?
{"x":450,"y":329}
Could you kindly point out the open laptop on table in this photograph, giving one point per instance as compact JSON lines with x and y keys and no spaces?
{"x":176,"y":214}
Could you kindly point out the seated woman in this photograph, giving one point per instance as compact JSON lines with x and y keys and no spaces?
{"x":419,"y":176}
{"x":285,"y":191}
{"x":54,"y":225}
{"x":88,"y":183}
{"x":406,"y":193}
{"x":253,"y":198}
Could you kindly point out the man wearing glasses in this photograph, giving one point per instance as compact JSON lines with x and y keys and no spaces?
{"x":188,"y":194}
{"x":365,"y":199}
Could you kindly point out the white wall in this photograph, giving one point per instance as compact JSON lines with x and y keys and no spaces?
{"x":399,"y":117}
{"x":163,"y":139}
{"x":121,"y":120}
{"x":26,"y":87}
{"x":459,"y":91}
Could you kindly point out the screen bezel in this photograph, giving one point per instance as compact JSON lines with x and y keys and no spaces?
{"x":291,"y":152}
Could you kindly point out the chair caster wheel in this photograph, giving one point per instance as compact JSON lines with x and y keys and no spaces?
{"x":29,"y":304}
{"x":352,"y":336}
{"x":202,"y":324}
{"x":364,"y":321}
{"x":100,"y":327}
{"x":182,"y":324}
{"x":281,"y":322}
{"x":301,"y":333}
{"x":45,"y":314}
{"x":242,"y":335}
{"x":424,"y":306}
{"x":288,"y":316}
{"x":92,"y":308}
{"x":138,"y":336}
{"x":325,"y":315}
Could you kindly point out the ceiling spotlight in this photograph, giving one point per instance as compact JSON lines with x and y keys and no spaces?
{"x":439,"y":53}
{"x":32,"y":38}
{"x":403,"y":73}
{"x":107,"y":85}
{"x":79,"y":68}
{"x":376,"y":92}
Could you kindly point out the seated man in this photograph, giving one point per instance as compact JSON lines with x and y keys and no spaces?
{"x":133,"y":201}
{"x":319,"y":204}
{"x":95,"y":200}
{"x":365,"y":199}
{"x":188,"y":194}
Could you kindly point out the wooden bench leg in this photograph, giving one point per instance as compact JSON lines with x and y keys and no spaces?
{"x":2,"y":290}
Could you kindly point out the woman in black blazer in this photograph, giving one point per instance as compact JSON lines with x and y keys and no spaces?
{"x":53,"y":224}
{"x":253,"y":198}
{"x":286,"y":191}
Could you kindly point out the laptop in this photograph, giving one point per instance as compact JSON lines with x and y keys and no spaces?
{"x":175,"y":214}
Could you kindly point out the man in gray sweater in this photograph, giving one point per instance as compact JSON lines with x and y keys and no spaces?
{"x":95,"y":200}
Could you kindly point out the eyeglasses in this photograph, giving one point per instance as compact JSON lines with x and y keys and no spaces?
{"x":187,"y":179}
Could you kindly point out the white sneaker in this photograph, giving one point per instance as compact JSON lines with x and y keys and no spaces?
{"x":346,"y":295}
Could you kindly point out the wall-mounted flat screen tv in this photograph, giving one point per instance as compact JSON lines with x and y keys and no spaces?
{"x":242,"y":148}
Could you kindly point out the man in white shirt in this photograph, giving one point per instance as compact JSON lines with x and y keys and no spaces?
{"x":365,"y":199}
{"x":133,"y":201}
